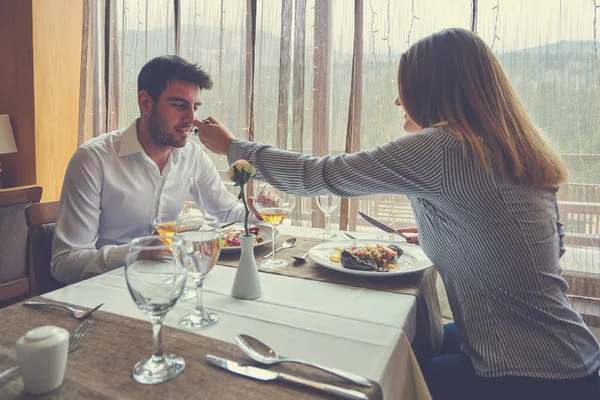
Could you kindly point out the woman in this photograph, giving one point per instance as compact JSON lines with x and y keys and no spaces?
{"x":482,"y":182}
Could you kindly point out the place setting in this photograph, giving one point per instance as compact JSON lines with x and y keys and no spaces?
{"x":156,"y":270}
{"x":265,"y":356}
{"x":372,"y":258}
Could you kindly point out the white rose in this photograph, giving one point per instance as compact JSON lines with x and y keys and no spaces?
{"x":230,"y":173}
{"x":241,"y":166}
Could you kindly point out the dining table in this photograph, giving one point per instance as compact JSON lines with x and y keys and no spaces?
{"x":366,"y":326}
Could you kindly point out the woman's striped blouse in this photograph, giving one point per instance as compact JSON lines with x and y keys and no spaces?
{"x":494,"y":242}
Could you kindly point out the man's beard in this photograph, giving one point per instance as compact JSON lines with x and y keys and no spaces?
{"x":160,"y":133}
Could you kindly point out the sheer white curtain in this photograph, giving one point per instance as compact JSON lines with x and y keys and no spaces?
{"x":213,"y":34}
{"x":304,"y":79}
{"x":549,"y":51}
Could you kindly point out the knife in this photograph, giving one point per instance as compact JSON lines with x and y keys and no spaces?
{"x":380,"y":225}
{"x":227,"y":225}
{"x":266,"y":375}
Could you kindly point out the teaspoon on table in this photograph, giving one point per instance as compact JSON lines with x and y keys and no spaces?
{"x":285,"y":245}
{"x":261,"y":353}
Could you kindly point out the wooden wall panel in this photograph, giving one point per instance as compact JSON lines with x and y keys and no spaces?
{"x":16,"y":90}
{"x":57,"y":57}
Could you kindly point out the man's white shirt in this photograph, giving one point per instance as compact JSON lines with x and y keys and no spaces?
{"x":110,"y":190}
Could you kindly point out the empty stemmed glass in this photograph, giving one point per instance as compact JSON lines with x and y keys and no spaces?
{"x":273,"y":206}
{"x":155,"y":279}
{"x":201,"y":237}
{"x":327,"y":203}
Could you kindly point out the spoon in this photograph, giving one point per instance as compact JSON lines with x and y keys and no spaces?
{"x":301,"y":259}
{"x":285,"y":245}
{"x":77,"y":314}
{"x":263,"y":354}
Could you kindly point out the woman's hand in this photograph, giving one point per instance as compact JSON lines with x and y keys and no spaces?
{"x":412,"y":238}
{"x":214,"y":135}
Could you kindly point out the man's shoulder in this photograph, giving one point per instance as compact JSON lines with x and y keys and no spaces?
{"x":98,"y":150}
{"x":104,"y":141}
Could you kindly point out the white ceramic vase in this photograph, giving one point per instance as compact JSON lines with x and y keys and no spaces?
{"x":246,"y":284}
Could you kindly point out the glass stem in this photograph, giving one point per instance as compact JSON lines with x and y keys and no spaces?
{"x":273,"y":242}
{"x":327,"y":222}
{"x":199,"y":306}
{"x":157,"y":323}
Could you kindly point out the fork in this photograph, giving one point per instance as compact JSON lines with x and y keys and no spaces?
{"x":301,"y":259}
{"x":73,"y":342}
{"x":77,"y":314}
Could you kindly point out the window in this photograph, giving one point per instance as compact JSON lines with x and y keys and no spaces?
{"x":547,"y":47}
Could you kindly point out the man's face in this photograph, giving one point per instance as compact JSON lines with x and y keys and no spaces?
{"x":172,"y":116}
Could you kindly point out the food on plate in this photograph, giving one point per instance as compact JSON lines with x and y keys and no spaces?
{"x":231,"y":236}
{"x":379,"y":258}
{"x":335,"y":257}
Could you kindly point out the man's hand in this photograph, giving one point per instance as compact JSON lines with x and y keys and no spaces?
{"x":156,"y":254}
{"x":250,"y":201}
{"x":214,"y":135}
{"x":267,"y":198}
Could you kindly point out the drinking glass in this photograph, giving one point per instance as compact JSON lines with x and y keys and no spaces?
{"x":155,"y":278}
{"x":164,"y":216}
{"x":273,"y":206}
{"x":328,"y":203}
{"x":164,"y":225}
{"x":201,"y":238}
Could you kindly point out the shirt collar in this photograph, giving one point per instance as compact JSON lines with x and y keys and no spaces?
{"x":131,"y":145}
{"x":129,"y":141}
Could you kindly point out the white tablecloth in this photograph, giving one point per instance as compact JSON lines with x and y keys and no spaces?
{"x":363,"y":331}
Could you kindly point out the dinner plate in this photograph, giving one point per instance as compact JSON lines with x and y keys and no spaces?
{"x":412,"y":259}
{"x":265,"y":229}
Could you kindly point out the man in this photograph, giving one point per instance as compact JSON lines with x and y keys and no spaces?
{"x":115,"y":182}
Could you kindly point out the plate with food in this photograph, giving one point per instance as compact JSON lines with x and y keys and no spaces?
{"x":376,"y":258}
{"x":230,"y":240}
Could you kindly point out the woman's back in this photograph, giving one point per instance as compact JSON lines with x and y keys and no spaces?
{"x":496,"y":245}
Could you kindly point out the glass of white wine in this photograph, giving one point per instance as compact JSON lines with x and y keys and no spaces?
{"x":164,"y":225}
{"x":273,"y":206}
{"x":164,"y":216}
{"x":155,"y":279}
{"x":328,"y":203}
{"x":201,"y":247}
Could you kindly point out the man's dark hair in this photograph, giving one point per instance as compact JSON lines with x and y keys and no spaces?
{"x":157,"y":72}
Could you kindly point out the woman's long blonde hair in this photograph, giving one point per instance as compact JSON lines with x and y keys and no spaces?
{"x":452,"y":79}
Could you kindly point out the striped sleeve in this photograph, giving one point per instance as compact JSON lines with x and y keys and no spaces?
{"x":411,"y":165}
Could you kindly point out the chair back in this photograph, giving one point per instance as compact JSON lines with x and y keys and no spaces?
{"x":41,"y":220}
{"x":14,"y":279}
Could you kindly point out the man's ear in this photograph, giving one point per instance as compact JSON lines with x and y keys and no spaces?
{"x":145,"y":102}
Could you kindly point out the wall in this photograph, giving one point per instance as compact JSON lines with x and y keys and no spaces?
{"x":16,"y":90}
{"x":40,"y":47}
{"x":57,"y":28}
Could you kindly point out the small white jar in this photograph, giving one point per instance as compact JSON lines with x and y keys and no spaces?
{"x":42,"y":357}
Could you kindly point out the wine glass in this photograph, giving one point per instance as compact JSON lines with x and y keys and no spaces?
{"x":165,"y":214}
{"x":273,"y":206}
{"x":155,"y":279}
{"x":164,"y":224}
{"x":201,"y":237}
{"x":328,"y":203}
